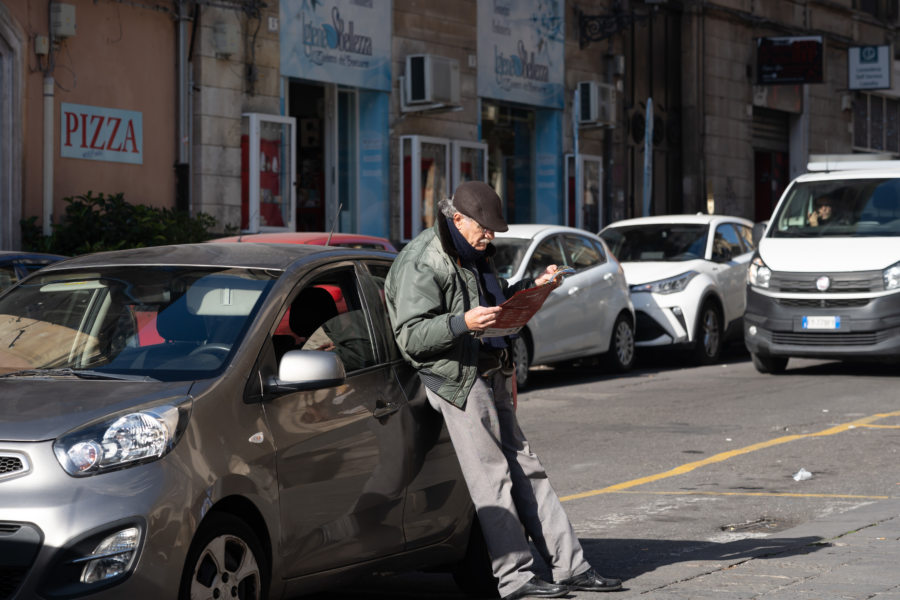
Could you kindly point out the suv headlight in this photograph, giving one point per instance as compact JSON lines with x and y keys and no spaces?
{"x":122,"y":440}
{"x":892,"y":277}
{"x":666,"y":286}
{"x":759,"y":274}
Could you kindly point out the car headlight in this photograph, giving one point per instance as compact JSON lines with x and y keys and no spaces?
{"x":122,"y":440}
{"x":759,"y":274}
{"x":891,"y":277}
{"x":666,"y":286}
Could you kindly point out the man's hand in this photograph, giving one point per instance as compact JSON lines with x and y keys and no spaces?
{"x":481,"y":317}
{"x":547,"y":275}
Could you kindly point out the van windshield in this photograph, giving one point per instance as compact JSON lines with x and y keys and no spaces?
{"x":165,"y":323}
{"x":840,"y":208}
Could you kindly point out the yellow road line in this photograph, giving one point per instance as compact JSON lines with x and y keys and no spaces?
{"x":775,"y":494}
{"x":723,"y":456}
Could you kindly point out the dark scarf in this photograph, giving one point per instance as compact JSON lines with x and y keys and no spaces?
{"x":490,"y":293}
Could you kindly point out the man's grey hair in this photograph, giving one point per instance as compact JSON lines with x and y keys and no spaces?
{"x":446,"y":207}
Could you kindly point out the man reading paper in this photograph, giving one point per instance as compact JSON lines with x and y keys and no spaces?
{"x":441,"y":291}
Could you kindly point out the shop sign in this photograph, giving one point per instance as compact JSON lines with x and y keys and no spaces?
{"x":869,"y":67}
{"x":781,"y":60}
{"x":347,"y":42}
{"x":521,"y":45}
{"x":97,"y":133}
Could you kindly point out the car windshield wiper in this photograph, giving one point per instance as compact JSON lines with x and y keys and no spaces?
{"x":80,"y":373}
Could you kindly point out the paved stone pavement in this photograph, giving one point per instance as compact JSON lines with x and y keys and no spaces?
{"x":852,"y":555}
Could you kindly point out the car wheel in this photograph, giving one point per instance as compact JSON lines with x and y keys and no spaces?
{"x":620,"y":356}
{"x":708,"y":335}
{"x":226,"y":560}
{"x":521,"y":360}
{"x":769,"y":364}
{"x":473,"y":574}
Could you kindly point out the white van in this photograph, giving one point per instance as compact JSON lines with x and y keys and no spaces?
{"x":825,"y":280}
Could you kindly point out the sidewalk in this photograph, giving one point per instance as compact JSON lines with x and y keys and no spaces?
{"x":852,"y":555}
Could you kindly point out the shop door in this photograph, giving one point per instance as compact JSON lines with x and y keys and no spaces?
{"x":307,"y":105}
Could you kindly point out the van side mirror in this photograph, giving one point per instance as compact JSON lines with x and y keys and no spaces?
{"x":758,"y":230}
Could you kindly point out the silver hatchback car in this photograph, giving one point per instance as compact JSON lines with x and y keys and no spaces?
{"x":216,"y":420}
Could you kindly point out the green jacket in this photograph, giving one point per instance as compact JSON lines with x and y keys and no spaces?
{"x":427,"y":294}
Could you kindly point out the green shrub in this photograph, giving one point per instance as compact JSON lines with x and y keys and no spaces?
{"x":92,"y":223}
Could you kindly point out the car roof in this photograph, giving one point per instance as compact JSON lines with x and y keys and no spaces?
{"x":883,"y":173}
{"x":8,"y":255}
{"x":307,"y":237}
{"x":698,"y":219}
{"x":533,"y":230}
{"x":250,"y":256}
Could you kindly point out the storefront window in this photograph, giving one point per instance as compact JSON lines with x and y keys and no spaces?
{"x":509,"y":134}
{"x":346,"y":160}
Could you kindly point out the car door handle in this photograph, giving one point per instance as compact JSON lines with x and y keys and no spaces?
{"x":573,"y":290}
{"x":383,"y":409}
{"x":608,"y":277}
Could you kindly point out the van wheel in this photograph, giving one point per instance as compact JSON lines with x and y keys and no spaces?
{"x":708,"y":335}
{"x":521,"y":360}
{"x":473,"y":574}
{"x":769,"y":364}
{"x":620,"y":356}
{"x":226,"y":560}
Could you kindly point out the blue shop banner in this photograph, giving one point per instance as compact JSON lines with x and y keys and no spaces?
{"x":521,"y":49}
{"x":347,"y":42}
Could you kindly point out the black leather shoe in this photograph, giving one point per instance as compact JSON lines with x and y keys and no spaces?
{"x":538,"y":588}
{"x":591,"y":581}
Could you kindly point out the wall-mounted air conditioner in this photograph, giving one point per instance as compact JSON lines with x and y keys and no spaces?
{"x":597,"y":104}
{"x":431,"y":80}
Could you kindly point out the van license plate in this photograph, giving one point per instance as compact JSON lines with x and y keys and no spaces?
{"x":821,"y":322}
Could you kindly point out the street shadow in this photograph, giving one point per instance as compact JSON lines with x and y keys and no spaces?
{"x":799,"y":367}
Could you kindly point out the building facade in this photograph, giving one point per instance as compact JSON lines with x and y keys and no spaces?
{"x":359,"y":115}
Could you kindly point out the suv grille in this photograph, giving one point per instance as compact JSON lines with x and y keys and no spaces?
{"x":823,"y":303}
{"x":841,"y":283}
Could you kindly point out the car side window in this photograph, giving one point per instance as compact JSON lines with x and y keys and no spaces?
{"x":378,"y":273}
{"x":583,"y":253}
{"x":327,"y":314}
{"x":549,"y":252}
{"x":726,"y":242}
{"x":746,"y":234}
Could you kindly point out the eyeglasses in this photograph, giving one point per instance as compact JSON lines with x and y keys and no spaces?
{"x":481,"y":228}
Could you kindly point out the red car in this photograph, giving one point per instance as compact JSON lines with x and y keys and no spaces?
{"x":319,"y":238}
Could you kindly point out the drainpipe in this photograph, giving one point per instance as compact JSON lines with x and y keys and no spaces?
{"x":48,"y":153}
{"x":183,"y":168}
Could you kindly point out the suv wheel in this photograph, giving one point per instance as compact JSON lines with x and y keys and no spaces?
{"x":708,"y":334}
{"x":226,"y":560}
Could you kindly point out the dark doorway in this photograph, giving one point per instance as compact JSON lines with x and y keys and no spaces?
{"x":307,"y":105}
{"x":770,"y":179}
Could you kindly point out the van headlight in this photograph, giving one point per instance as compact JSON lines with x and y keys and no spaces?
{"x":123,"y":440}
{"x":666,"y":286}
{"x":892,"y":277}
{"x":759,"y":274}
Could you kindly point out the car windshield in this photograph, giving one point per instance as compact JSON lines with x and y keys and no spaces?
{"x":657,"y":242}
{"x":509,"y":255}
{"x":166,"y":323}
{"x":840,"y":208}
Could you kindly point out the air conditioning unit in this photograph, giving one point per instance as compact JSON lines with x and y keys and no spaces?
{"x":597,"y":104}
{"x":431,"y":79}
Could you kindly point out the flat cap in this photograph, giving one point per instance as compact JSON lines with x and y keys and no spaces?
{"x":479,"y":201}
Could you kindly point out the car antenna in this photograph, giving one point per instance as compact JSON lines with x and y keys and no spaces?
{"x":333,"y":224}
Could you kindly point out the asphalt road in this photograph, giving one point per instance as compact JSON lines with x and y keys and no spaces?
{"x":674,"y":461}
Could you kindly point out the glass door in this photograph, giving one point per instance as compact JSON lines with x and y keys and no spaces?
{"x":424,"y":181}
{"x":584,"y":192}
{"x":268,"y":173}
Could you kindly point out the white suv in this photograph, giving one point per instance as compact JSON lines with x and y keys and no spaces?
{"x":687,"y":275}
{"x":828,"y":288}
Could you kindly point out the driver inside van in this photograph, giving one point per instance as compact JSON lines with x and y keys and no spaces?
{"x":823,"y":213}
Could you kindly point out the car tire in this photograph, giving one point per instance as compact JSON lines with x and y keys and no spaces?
{"x":226,"y":560}
{"x":708,"y":334}
{"x":473,"y":574}
{"x":620,"y":356}
{"x":769,"y":364}
{"x":521,"y":360}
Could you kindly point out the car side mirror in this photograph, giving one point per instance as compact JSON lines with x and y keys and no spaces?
{"x":307,"y":370}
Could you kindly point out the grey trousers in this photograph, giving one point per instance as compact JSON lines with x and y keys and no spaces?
{"x":509,"y":487}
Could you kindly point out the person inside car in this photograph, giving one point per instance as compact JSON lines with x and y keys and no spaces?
{"x":824,"y":212}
